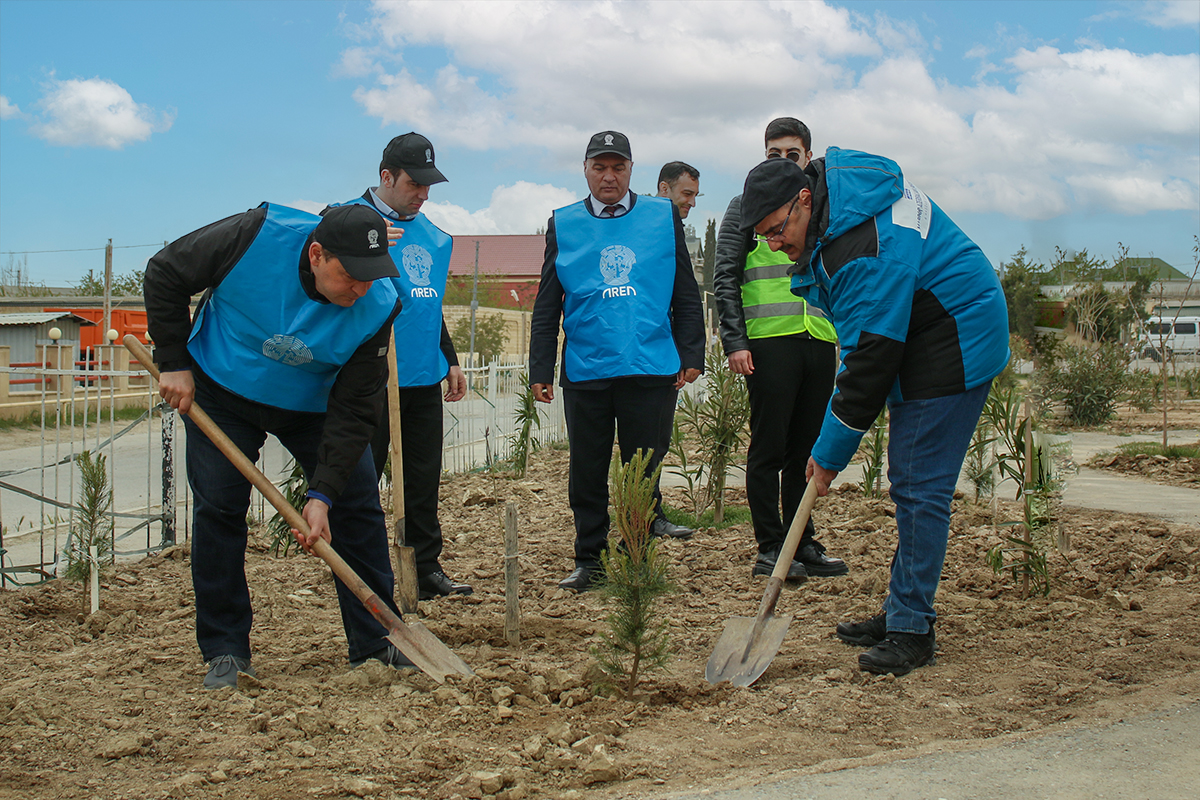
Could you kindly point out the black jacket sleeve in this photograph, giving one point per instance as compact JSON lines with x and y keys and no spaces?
{"x":729,"y":271}
{"x":545,"y":321}
{"x":356,"y":403}
{"x":447,"y":346}
{"x":191,"y":264}
{"x":687,"y":313}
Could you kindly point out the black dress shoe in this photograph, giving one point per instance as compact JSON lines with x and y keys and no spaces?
{"x":664,"y":527}
{"x":899,"y":654}
{"x":437,"y":584}
{"x":812,"y":556}
{"x":581,"y":579}
{"x":766,"y":562}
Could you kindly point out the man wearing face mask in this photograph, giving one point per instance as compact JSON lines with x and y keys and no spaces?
{"x":290,"y":339}
{"x":785,"y":346}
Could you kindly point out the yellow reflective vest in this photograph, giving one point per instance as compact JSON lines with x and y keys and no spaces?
{"x":770,"y":307}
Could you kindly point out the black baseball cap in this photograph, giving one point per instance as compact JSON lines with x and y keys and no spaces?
{"x":413,"y":153}
{"x":773,"y":183}
{"x":357,"y":236}
{"x":609,"y":142}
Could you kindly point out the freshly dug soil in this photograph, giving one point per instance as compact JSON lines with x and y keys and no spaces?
{"x":110,"y":706}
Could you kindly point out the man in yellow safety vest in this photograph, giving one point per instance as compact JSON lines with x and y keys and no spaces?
{"x":785,"y":345}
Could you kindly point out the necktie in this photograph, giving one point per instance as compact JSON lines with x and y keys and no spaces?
{"x":610,"y":211}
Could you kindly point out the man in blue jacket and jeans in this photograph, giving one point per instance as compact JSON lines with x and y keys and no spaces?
{"x":923,"y":327}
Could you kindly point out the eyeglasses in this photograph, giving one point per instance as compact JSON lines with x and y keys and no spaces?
{"x":791,"y":155}
{"x":778,"y":232}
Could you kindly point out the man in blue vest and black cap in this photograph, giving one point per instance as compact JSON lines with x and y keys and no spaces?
{"x":618,"y":275}
{"x":923,"y":327}
{"x":291,"y":339}
{"x":425,"y":354}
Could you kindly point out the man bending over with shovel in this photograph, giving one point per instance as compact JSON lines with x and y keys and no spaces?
{"x":291,"y":339}
{"x":923,"y":327}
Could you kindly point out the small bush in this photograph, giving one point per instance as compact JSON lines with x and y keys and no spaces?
{"x":1088,"y":381}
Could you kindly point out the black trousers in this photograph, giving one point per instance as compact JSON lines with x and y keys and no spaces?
{"x":421,"y":446}
{"x":789,"y":390}
{"x":641,"y":417}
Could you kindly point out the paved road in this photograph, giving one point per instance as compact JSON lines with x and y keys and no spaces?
{"x":1152,"y":757}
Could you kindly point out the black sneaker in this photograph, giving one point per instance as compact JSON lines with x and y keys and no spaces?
{"x":871,"y":632}
{"x":899,"y":654}
{"x":867,"y":633}
{"x":765,"y":565}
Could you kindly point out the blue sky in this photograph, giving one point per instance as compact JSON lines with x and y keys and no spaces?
{"x":1074,"y":124}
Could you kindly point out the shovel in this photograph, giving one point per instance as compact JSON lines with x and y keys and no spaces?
{"x":406,"y":557}
{"x":748,"y":645}
{"x":414,"y":640}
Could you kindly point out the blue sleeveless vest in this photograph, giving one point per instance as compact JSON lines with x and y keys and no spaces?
{"x":423,"y":260}
{"x":617,"y":276}
{"x":260,"y":336}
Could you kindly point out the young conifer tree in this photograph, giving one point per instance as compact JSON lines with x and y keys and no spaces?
{"x":635,"y":578}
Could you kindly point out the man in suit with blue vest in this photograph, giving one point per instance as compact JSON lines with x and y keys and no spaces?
{"x":291,"y":339}
{"x":618,"y":275}
{"x":923,"y":328}
{"x":424,"y":352}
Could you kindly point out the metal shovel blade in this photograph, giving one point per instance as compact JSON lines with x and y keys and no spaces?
{"x":427,"y":652}
{"x":730,"y":660}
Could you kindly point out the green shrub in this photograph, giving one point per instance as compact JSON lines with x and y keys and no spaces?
{"x":491,"y":337}
{"x":1088,"y":381}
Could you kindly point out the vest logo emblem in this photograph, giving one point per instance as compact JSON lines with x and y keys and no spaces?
{"x":608,"y":140}
{"x":287,"y":350}
{"x":372,"y":239}
{"x":616,"y":262}
{"x":417,"y":264}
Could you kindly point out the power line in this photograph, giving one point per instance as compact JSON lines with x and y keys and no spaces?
{"x":78,"y":250}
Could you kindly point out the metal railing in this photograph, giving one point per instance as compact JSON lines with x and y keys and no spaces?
{"x":481,"y":429}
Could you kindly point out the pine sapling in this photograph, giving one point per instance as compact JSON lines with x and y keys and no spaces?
{"x":635,"y":578}
{"x":93,"y":525}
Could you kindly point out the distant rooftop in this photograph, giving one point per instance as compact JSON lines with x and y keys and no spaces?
{"x":517,"y":255}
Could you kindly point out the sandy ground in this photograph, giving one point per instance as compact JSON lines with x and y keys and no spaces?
{"x":111,"y":706}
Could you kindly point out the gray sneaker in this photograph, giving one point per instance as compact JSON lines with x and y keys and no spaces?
{"x":223,"y":671}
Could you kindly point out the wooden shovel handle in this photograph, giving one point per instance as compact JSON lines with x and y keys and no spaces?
{"x":397,"y":447}
{"x":252,"y":473}
{"x":786,"y":553}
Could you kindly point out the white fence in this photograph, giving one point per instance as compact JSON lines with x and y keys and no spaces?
{"x":144,"y":455}
{"x":480,"y":429}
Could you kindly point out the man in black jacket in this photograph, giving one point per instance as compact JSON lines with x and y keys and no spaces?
{"x":786,"y":348}
{"x":290,"y":339}
{"x":618,"y":275}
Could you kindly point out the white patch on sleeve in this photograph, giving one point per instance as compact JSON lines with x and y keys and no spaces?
{"x":913,"y":210}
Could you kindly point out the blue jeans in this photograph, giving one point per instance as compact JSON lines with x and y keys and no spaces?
{"x":356,"y":521}
{"x":928,"y":441}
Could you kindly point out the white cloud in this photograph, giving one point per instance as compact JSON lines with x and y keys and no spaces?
{"x":95,"y":113}
{"x":1038,"y":131}
{"x":9,"y":110}
{"x":1172,"y":13}
{"x":311,"y":206}
{"x":521,"y":208}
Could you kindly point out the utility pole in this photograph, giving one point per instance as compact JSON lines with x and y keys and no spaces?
{"x":474,"y":301}
{"x":107,"y":289}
